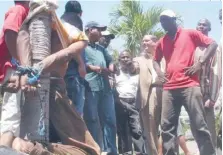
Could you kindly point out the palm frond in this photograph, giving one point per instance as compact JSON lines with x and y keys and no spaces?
{"x":128,"y":20}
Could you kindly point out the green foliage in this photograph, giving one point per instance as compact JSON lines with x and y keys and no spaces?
{"x":130,"y":22}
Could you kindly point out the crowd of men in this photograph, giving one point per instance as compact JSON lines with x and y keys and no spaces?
{"x":138,"y":100}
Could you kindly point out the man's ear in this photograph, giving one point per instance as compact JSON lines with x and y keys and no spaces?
{"x":90,"y":29}
{"x":209,"y":29}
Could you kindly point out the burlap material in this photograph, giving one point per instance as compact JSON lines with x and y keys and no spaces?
{"x":68,"y":124}
{"x":56,"y":149}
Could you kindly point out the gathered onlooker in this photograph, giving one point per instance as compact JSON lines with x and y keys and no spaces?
{"x":99,"y":110}
{"x":128,"y":122}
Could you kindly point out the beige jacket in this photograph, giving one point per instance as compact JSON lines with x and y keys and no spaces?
{"x":147,"y":76}
{"x":145,"y":81}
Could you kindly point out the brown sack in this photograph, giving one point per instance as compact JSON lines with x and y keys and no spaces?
{"x":68,"y":124}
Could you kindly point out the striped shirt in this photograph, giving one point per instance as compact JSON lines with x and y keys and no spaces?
{"x":204,"y":74}
{"x":216,"y":74}
{"x":210,"y":74}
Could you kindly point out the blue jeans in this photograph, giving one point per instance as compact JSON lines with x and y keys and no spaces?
{"x":99,"y":115}
{"x":76,"y":92}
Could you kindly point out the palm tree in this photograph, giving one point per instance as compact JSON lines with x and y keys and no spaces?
{"x":132,"y":23}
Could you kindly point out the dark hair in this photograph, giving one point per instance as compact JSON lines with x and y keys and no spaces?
{"x":16,"y":1}
{"x":127,"y":51}
{"x":73,"y":6}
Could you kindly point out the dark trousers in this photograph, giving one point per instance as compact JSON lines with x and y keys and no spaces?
{"x":191,"y":98}
{"x":128,"y":126}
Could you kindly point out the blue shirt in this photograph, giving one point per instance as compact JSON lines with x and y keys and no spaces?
{"x":72,"y":69}
{"x":97,"y":55}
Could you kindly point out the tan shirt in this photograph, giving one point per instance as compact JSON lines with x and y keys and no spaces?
{"x":209,"y":80}
{"x":216,"y":74}
{"x":204,"y":74}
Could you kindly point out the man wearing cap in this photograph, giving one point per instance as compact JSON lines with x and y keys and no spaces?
{"x":181,"y":83}
{"x":106,"y":38}
{"x":105,"y":42}
{"x":99,"y":111}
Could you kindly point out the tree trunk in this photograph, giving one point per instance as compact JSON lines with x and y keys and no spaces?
{"x":35,"y":114}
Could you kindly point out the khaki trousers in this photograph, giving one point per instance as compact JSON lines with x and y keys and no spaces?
{"x":150,"y":119}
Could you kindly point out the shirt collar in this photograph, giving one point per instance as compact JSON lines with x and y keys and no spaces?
{"x":179,"y":29}
{"x":93,"y":45}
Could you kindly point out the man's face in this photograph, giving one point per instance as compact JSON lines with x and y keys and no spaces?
{"x":148,"y":43}
{"x":125,"y":59}
{"x":95,"y":34}
{"x":203,"y":26}
{"x":167,"y":23}
{"x":105,"y":41}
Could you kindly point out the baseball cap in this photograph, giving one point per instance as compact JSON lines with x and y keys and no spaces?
{"x":168,"y":13}
{"x":92,"y":24}
{"x":107,"y":33}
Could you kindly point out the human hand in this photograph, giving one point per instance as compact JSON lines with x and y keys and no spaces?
{"x":105,"y":72}
{"x":96,"y":69}
{"x":158,"y":82}
{"x":209,"y":104}
{"x":27,"y":87}
{"x":161,"y":77}
{"x":189,"y":71}
{"x":12,"y":85}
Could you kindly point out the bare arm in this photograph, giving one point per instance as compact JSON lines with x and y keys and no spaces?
{"x":156,"y":66}
{"x":23,"y":47}
{"x":63,"y":56}
{"x":81,"y":65}
{"x":92,"y":68}
{"x":111,"y":68}
{"x":201,"y":40}
{"x":210,"y":52}
{"x":10,"y":39}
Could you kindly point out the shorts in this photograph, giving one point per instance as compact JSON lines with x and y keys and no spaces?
{"x":10,"y":112}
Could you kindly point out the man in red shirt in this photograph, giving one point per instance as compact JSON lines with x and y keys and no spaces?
{"x":9,"y":81}
{"x":181,"y":84}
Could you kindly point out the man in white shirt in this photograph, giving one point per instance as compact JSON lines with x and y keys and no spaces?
{"x":128,"y":122}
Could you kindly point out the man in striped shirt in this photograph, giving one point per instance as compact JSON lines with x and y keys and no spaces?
{"x":216,"y":86}
{"x":205,"y":77}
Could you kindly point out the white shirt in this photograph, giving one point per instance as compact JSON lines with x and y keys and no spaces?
{"x":126,"y":85}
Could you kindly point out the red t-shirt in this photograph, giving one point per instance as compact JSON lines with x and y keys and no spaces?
{"x":13,"y":20}
{"x":179,"y":54}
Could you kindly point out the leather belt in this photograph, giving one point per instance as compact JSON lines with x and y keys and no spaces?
{"x":129,"y":100}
